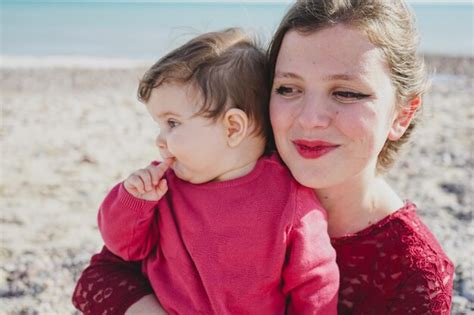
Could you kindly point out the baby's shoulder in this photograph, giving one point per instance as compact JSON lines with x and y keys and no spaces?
{"x":274,"y":160}
{"x":274,"y":165}
{"x":278,"y":174}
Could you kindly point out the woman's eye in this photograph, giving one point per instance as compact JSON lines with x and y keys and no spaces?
{"x":350,"y":96}
{"x":286,"y":90}
{"x":172,"y":123}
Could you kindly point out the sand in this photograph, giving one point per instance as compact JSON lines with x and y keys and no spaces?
{"x":70,"y":129}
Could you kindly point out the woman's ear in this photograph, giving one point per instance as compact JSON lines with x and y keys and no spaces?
{"x":236,"y":123}
{"x":403,"y":119}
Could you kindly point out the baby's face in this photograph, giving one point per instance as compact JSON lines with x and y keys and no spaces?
{"x":197,"y":144}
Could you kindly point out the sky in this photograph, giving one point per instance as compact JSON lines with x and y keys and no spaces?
{"x":259,"y":1}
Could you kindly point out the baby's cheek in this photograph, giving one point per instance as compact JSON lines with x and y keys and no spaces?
{"x":175,"y":143}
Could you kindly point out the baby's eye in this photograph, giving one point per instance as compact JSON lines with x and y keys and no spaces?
{"x":172,"y":123}
{"x":349,"y":95}
{"x":286,"y":90}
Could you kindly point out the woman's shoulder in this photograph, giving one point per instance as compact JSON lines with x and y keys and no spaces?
{"x":402,"y":256}
{"x":427,"y":272}
{"x":401,"y":234}
{"x":414,"y":239}
{"x":422,"y":253}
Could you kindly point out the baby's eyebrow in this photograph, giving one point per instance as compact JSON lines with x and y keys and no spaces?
{"x":166,"y":114}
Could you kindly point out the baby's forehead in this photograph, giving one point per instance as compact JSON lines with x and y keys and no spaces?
{"x":176,"y":97}
{"x":170,"y":92}
{"x":190,"y":99}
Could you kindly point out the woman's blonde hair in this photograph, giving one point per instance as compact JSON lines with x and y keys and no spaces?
{"x":389,"y":25}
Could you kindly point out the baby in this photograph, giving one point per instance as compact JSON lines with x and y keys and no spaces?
{"x":220,"y":225}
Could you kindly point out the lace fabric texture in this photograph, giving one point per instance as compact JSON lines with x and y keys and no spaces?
{"x":109,"y":285}
{"x":395,"y":266}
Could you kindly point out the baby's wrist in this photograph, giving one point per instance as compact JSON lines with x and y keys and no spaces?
{"x":131,"y":201}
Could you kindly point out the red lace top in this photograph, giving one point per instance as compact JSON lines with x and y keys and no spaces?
{"x":109,"y":285}
{"x":395,"y":266}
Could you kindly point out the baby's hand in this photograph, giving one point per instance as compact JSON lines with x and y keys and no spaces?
{"x":147,"y":183}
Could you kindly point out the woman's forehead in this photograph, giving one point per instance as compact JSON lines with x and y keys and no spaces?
{"x":334,"y":51}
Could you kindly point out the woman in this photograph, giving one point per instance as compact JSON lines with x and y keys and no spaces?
{"x":347,"y":85}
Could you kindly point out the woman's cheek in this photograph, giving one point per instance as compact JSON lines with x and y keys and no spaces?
{"x":356,"y":123}
{"x":280,"y":115}
{"x":360,"y":129}
{"x":353,"y":129}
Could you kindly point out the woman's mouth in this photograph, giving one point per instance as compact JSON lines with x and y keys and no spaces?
{"x":313,"y":149}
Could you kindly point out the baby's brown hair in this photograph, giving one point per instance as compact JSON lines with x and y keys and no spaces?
{"x":227,"y":67}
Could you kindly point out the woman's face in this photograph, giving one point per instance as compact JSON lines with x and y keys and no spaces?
{"x":333,"y":105}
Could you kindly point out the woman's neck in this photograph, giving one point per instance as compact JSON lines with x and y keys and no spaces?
{"x":358,"y":203}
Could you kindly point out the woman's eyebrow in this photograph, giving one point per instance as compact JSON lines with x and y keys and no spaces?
{"x":331,"y":77}
{"x":290,"y":75}
{"x":343,"y":77}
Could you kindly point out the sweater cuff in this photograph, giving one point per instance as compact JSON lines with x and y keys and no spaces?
{"x":129,"y":201}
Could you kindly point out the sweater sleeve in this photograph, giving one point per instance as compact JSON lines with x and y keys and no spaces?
{"x":310,"y":275}
{"x":128,"y":225}
{"x":109,"y":285}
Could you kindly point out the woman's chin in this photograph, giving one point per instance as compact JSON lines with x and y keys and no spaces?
{"x":313,"y":178}
{"x":305,"y":178}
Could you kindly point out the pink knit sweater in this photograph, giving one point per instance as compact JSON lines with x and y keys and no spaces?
{"x":253,"y":245}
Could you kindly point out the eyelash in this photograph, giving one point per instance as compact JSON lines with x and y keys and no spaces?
{"x":350,"y":95}
{"x":172,"y":123}
{"x":284,"y":91}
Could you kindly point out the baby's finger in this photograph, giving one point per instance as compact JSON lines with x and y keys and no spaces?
{"x":145,"y":176}
{"x":134,"y":184}
{"x":162,"y":188}
{"x":165,"y":165}
{"x":154,"y":173}
{"x":157,"y":172}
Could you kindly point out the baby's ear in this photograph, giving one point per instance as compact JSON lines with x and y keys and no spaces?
{"x":236,"y":123}
{"x":403,"y":119}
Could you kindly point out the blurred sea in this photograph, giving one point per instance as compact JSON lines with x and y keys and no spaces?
{"x":146,"y":30}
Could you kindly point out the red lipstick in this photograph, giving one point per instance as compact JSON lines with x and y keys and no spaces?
{"x":313,"y":149}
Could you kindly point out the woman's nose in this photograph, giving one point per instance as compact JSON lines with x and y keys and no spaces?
{"x":315,"y":113}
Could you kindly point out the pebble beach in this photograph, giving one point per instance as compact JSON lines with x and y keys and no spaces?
{"x":71,"y":129}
